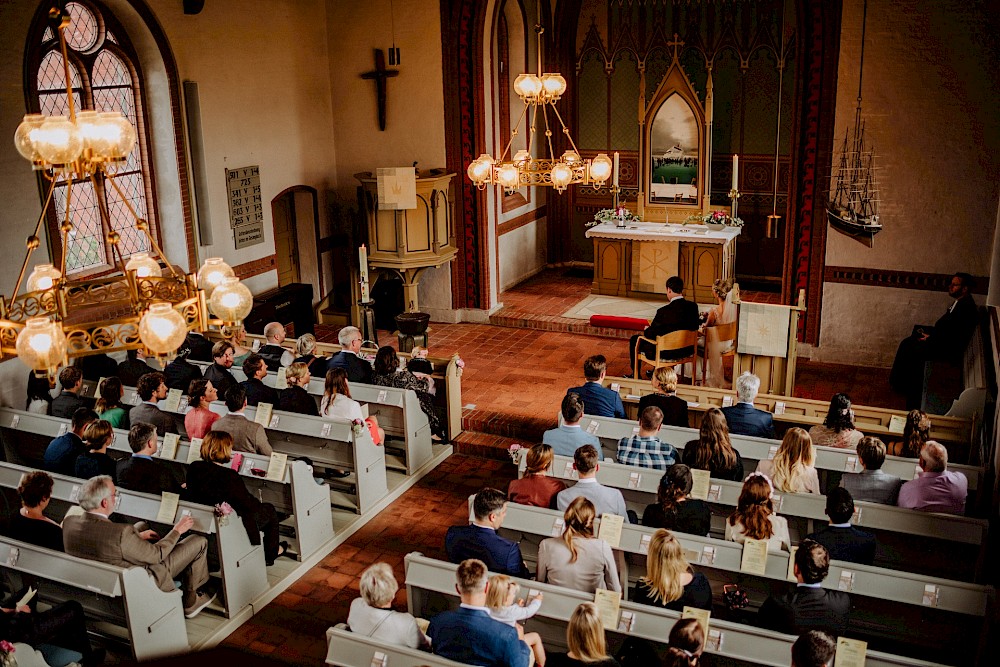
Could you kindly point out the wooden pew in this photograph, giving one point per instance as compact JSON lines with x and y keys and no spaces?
{"x":965,"y":537}
{"x":829,"y":460}
{"x":430,"y":588}
{"x":297,"y":494}
{"x":243,"y":578}
{"x":446,"y":371}
{"x":347,"y":649}
{"x":802,"y":412}
{"x":149,"y":620}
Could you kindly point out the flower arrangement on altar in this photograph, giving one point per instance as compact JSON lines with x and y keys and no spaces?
{"x":620,"y":216}
{"x":713,"y":218}
{"x":222,"y":511}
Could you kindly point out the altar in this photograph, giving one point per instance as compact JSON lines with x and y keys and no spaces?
{"x":635,"y":261}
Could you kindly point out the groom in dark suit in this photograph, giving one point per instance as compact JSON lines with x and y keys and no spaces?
{"x":678,"y":315}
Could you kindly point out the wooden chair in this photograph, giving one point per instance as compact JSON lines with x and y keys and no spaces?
{"x":675,"y":340}
{"x":718,"y":334}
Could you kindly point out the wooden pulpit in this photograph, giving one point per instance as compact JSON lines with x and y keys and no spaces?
{"x":765,"y":343}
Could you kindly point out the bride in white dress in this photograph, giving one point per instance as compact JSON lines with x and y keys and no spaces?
{"x":723,"y":313}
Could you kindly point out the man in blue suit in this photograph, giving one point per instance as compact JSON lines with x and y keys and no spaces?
{"x":568,"y":436}
{"x":841,"y":539}
{"x":468,"y":634}
{"x":743,"y":418}
{"x":480,"y":540}
{"x":597,"y":399}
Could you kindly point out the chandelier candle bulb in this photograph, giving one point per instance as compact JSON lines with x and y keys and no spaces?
{"x":212,"y":273}
{"x":43,"y":277}
{"x":231,"y":301}
{"x":143,"y":265}
{"x":162,"y":329}
{"x":41,"y":345}
{"x":58,"y":141}
{"x":363,"y":262}
{"x":23,"y":137}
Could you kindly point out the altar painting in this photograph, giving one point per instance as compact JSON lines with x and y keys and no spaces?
{"x":673,"y":152}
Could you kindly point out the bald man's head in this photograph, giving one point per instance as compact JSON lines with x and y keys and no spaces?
{"x":934,"y":457}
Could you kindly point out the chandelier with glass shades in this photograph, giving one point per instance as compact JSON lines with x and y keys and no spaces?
{"x":539,"y":92}
{"x":142,"y":307}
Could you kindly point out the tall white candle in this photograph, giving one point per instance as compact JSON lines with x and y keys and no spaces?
{"x":363,"y":260}
{"x":615,"y":182}
{"x":736,"y":171}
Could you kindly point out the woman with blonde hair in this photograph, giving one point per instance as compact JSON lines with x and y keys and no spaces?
{"x":916,"y":433}
{"x":238,"y":339}
{"x":723,"y":313}
{"x":536,"y":488}
{"x":669,"y":580}
{"x":305,"y":347}
{"x":295,"y":397}
{"x":664,"y":396}
{"x":713,"y":450}
{"x":95,"y":461}
{"x":371,"y":615}
{"x":578,"y":559}
{"x":585,"y":640}
{"x":792,"y":469}
{"x":755,"y":518}
{"x":503,"y":605}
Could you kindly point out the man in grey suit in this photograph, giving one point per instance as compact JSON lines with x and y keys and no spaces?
{"x":872,"y":484}
{"x":606,"y":500}
{"x":152,"y":388}
{"x":248,"y":436}
{"x":565,"y":439}
{"x":94,"y":536}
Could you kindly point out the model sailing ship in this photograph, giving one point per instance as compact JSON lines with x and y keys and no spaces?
{"x":853,"y":204}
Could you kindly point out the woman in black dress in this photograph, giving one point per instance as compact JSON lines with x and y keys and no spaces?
{"x":673,"y":509}
{"x":713,"y":450}
{"x":29,"y":524}
{"x":95,"y":461}
{"x":675,"y":408}
{"x":669,"y":580}
{"x":295,"y":398}
{"x":387,"y":374}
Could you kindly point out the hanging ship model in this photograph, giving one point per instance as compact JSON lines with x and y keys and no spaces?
{"x":853,"y":204}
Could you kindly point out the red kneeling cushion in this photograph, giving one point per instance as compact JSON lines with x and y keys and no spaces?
{"x":618,"y":322}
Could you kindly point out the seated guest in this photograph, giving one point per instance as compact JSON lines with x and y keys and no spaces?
{"x":578,"y":559}
{"x":201,"y":347}
{"x":95,"y":461}
{"x":480,"y":540}
{"x":96,"y":366}
{"x":809,"y":606}
{"x":669,"y":580}
{"x":68,"y":400}
{"x":813,"y":649}
{"x":645,"y":449}
{"x":63,"y":626}
{"x":60,"y":455}
{"x":387,"y":374}
{"x":842,"y":540}
{"x":501,"y":599}
{"x":664,"y":396}
{"x":180,"y":373}
{"x":686,"y":643}
{"x":92,"y":535}
{"x":674,"y":509}
{"x":133,"y":368}
{"x":713,"y":451}
{"x":585,"y":641}
{"x":39,"y":394}
{"x":916,"y":432}
{"x":274,"y":355}
{"x":257,"y":392}
{"x":678,"y":315}
{"x":837,"y":430}
{"x":371,"y":615}
{"x":755,"y":517}
{"x":240,"y":349}
{"x":872,"y":484}
{"x":792,"y":469}
{"x":248,"y":436}
{"x":937,"y":489}
{"x":211,"y":481}
{"x":219,"y":374}
{"x":29,"y":524}
{"x":199,"y":419}
{"x":536,"y":488}
{"x":467,"y":634}
{"x":349,"y":358}
{"x":743,"y":418}
{"x":605,"y":499}
{"x":305,"y":347}
{"x":140,"y":472}
{"x":597,"y":399}
{"x":152,"y":389}
{"x":565,"y":439}
{"x":109,"y":406}
{"x":421,"y":367}
{"x":296,"y":397}
{"x":337,"y":403}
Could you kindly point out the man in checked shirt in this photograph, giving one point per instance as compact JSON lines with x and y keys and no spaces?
{"x":645,"y":449}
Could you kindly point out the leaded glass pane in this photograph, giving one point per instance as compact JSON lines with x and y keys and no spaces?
{"x":82,"y":33}
{"x":85,"y":247}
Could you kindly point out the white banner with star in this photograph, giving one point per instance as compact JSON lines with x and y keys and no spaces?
{"x":763,"y":330}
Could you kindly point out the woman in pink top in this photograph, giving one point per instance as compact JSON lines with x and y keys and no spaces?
{"x":198,"y":421}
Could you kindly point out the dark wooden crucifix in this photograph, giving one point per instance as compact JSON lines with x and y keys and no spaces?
{"x":381,"y":75}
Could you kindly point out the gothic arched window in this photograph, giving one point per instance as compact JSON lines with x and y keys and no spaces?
{"x":105,"y":77}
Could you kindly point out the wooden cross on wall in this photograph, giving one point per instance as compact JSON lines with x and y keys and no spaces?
{"x":381,"y":76}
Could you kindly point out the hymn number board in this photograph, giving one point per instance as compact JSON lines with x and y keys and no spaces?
{"x":246,"y":208}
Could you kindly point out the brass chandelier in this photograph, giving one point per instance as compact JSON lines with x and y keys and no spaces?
{"x":539,"y":92}
{"x":143,"y":307}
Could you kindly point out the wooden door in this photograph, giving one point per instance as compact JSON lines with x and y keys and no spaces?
{"x":286,"y":246}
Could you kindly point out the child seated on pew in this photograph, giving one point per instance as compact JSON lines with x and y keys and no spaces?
{"x":504,"y":607}
{"x":423,"y":369}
